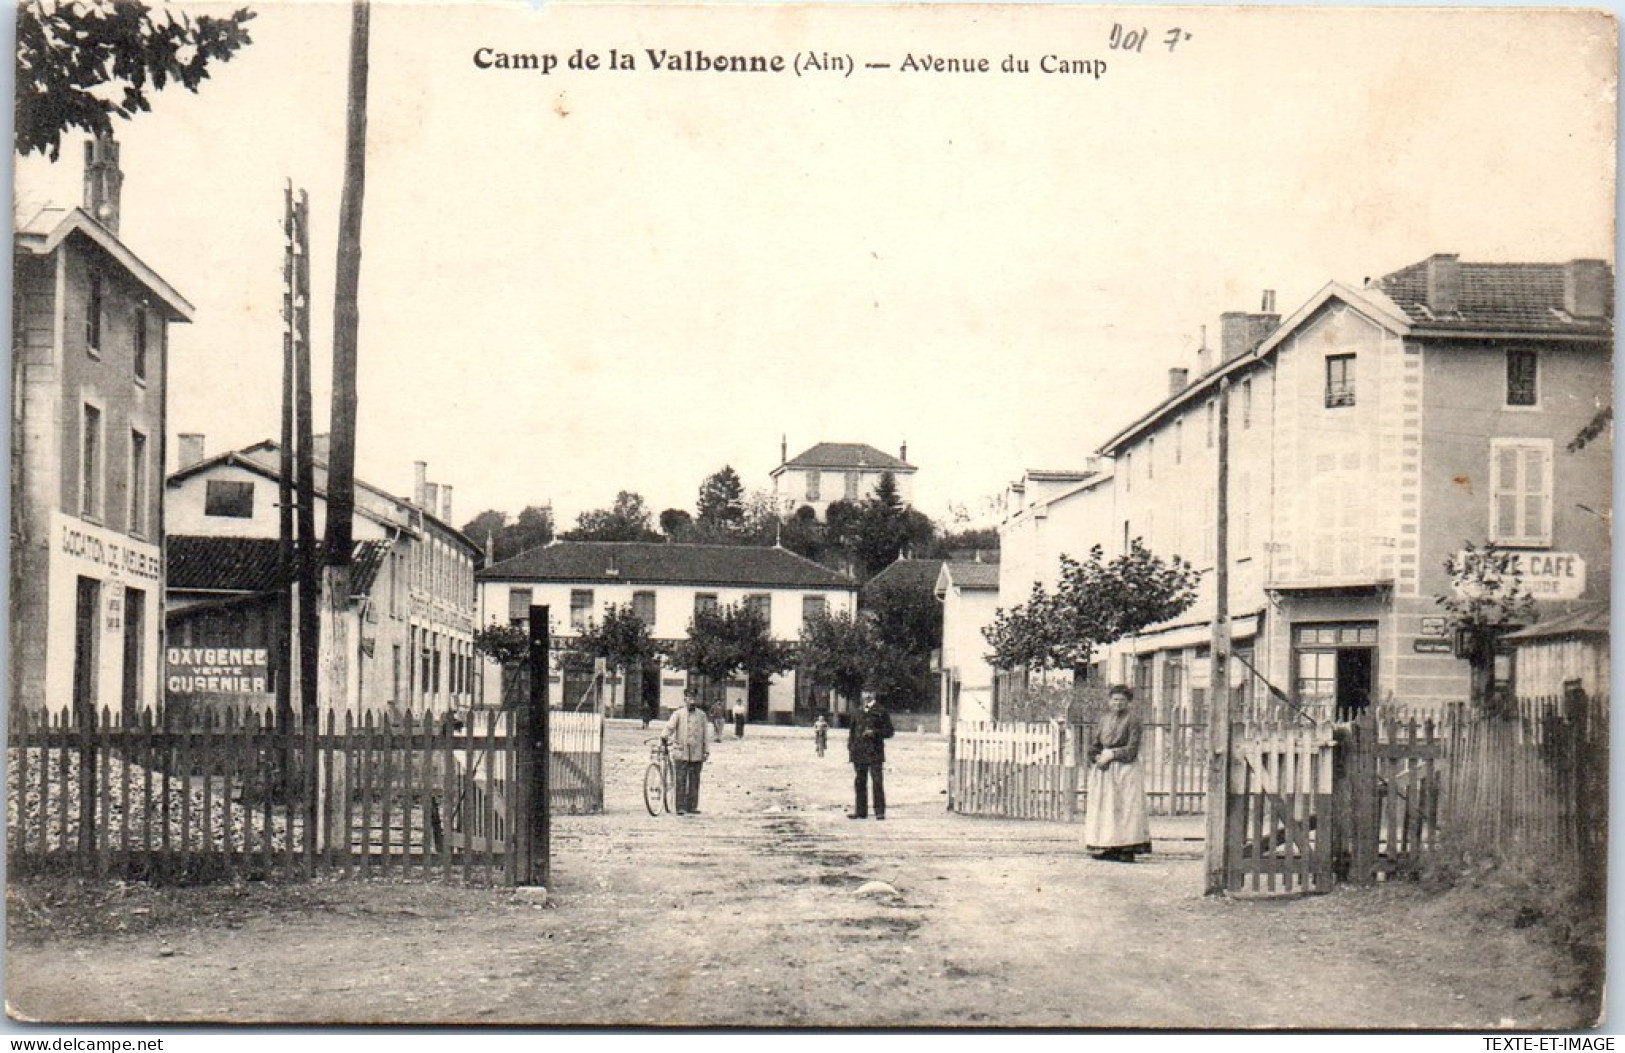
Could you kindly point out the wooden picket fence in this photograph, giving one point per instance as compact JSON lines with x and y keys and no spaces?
{"x":1280,"y":824}
{"x":575,"y":743}
{"x":1531,"y":781}
{"x":1038,"y":770}
{"x":416,"y":795}
{"x":1017,"y":771}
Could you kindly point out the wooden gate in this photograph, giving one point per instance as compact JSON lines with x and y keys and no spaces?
{"x":1279,"y":819}
{"x":1390,"y":778}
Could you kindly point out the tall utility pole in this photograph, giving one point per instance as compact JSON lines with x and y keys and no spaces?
{"x":346,"y":326}
{"x":305,"y":474}
{"x":287,"y":559}
{"x":1219,"y":731}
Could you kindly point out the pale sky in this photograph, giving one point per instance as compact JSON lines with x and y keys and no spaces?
{"x":585,"y":282}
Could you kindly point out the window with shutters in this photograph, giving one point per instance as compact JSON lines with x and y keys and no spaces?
{"x":519,"y":601}
{"x":580,"y":609}
{"x":1521,"y":492}
{"x":643,"y":605}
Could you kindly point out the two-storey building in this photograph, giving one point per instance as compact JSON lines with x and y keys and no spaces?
{"x":89,"y":364}
{"x":838,"y":471}
{"x":665,"y":584}
{"x":412,"y":602}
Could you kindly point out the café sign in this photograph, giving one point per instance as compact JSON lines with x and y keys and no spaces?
{"x":1546,"y":575}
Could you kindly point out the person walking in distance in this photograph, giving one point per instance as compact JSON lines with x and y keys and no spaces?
{"x":866,"y":748}
{"x":690,"y":746}
{"x":714,"y":713}
{"x":739,"y":718}
{"x":820,"y":734}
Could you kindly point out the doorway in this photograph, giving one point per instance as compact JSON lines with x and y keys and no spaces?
{"x":1335,"y":666}
{"x":87,"y":611}
{"x":135,"y":631}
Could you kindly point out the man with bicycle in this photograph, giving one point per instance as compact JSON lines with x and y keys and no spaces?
{"x":686,"y":734}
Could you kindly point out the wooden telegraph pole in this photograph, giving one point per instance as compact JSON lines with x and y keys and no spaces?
{"x":533,"y":770}
{"x":1219,"y":730}
{"x":339,"y":543}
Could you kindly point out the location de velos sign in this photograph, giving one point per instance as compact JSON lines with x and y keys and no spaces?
{"x":1546,"y":575}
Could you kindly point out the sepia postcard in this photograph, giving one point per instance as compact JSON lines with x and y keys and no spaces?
{"x":568,"y":515}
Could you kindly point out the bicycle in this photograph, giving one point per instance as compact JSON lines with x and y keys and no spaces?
{"x":658,"y":778}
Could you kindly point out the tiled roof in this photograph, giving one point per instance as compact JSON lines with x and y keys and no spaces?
{"x":249,"y":564}
{"x":1511,"y":297}
{"x":660,"y":563}
{"x":841,"y":455}
{"x":221,"y":564}
{"x":968,"y":575}
{"x":908,"y":573}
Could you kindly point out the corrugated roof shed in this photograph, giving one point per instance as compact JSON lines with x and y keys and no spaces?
{"x":660,"y":563}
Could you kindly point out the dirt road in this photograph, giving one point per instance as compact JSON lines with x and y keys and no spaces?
{"x":750,"y":914}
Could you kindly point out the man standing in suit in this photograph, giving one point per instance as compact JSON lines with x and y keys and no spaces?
{"x":686,"y":732}
{"x":866,"y":747}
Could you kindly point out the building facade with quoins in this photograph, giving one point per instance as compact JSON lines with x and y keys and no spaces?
{"x":1373,"y":433}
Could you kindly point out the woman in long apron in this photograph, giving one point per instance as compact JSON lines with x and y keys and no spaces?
{"x":1115,"y":825}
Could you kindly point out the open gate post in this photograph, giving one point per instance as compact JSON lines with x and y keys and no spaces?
{"x":532,"y":765}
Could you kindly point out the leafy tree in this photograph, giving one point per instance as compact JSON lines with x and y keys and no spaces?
{"x":837,"y":651}
{"x":1094,"y":604}
{"x":533,"y":529}
{"x":628,"y":520}
{"x":79,"y":65}
{"x":1487,"y":599}
{"x":721,"y":504}
{"x":956,"y":544}
{"x":1032,"y":635}
{"x":507,"y":645}
{"x":622,"y":640}
{"x":725,"y":641}
{"x":676,"y":524}
{"x":887,"y":528}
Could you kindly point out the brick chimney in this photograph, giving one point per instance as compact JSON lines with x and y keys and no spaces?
{"x":784,"y":448}
{"x":1240,"y":333}
{"x":190,"y":449}
{"x":445,"y":502}
{"x":431,"y":498}
{"x":902,"y":454}
{"x":1444,"y":283}
{"x":1585,"y":288}
{"x":420,"y":483}
{"x":321,"y":447}
{"x":1178,"y":377}
{"x":103,"y":181}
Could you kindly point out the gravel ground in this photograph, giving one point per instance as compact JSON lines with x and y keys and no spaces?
{"x":760,"y":912}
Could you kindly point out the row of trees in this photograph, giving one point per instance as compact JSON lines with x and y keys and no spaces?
{"x":859,"y":537}
{"x":840,"y":652}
